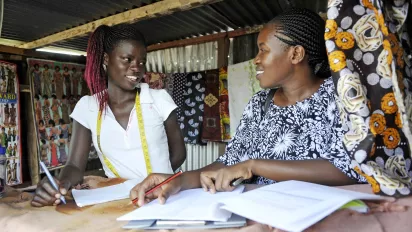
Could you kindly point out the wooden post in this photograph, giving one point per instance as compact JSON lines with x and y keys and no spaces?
{"x":223,"y":52}
{"x":32,"y":141}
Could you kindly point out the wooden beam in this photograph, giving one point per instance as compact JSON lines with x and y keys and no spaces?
{"x":157,"y":9}
{"x":245,"y":31}
{"x":11,"y":50}
{"x":204,"y":39}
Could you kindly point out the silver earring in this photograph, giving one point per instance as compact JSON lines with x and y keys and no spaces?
{"x":104,"y":67}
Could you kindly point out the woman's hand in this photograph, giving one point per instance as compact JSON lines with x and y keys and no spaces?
{"x":46,"y":195}
{"x":385,"y":206}
{"x":161,"y":193}
{"x":220,"y":180}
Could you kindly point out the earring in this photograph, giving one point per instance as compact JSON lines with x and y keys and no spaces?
{"x":104,"y":67}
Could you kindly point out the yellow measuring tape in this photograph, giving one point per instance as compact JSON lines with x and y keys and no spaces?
{"x":143,"y":139}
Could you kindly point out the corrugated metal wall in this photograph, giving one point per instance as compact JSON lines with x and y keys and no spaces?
{"x":201,"y":54}
{"x":200,"y":156}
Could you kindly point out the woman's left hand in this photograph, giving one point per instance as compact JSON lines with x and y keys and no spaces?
{"x":220,"y":180}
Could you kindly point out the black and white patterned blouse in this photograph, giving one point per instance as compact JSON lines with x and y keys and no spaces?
{"x":310,"y":129}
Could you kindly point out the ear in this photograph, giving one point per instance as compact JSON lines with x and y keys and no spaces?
{"x":105,"y":59}
{"x":298,"y":54}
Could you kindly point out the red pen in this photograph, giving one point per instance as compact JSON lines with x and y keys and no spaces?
{"x":134,"y":201}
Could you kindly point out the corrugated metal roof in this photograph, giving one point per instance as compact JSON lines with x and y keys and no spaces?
{"x":28,"y":20}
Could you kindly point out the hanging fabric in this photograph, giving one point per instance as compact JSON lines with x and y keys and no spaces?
{"x":369,"y":56}
{"x":224,"y":105}
{"x":179,"y":83}
{"x":155,"y":80}
{"x":193,"y":107}
{"x":211,"y":121}
{"x":185,"y":59}
{"x":168,"y":83}
{"x":242,"y":84}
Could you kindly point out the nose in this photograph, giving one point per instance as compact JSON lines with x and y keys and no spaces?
{"x":135,"y":67}
{"x":256,"y":60}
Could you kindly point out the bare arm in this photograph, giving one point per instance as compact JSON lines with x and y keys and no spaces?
{"x":315,"y":171}
{"x":191,"y":180}
{"x":177,"y":149}
{"x":78,"y":154}
{"x":71,"y":174}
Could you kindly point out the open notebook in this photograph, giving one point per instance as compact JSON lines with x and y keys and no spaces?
{"x":105,"y":194}
{"x":290,"y":205}
{"x":193,"y":204}
{"x":294,"y":205}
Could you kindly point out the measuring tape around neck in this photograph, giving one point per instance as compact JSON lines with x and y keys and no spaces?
{"x":143,"y":139}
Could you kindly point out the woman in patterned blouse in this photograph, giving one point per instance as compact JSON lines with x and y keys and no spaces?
{"x":298,"y":136}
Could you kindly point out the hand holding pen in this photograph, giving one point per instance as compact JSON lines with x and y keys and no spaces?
{"x":159,"y":186}
{"x":50,"y":191}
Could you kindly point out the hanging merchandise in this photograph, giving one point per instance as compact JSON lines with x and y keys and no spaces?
{"x":155,"y":80}
{"x":211,"y":130}
{"x":193,"y":107}
{"x":369,"y":55}
{"x":242,"y":84}
{"x":10,"y":147}
{"x":179,"y":84}
{"x":224,"y":105}
{"x":168,"y":83}
{"x":57,"y":88}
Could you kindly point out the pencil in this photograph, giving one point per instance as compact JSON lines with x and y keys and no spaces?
{"x":134,"y":201}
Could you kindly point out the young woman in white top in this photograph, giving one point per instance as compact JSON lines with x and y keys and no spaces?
{"x":133,"y":128}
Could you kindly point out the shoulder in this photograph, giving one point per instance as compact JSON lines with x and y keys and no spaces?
{"x":160,"y":96}
{"x":259,"y":97}
{"x":161,"y":99}
{"x":157,"y":93}
{"x":88,"y":103}
{"x":327,"y":89}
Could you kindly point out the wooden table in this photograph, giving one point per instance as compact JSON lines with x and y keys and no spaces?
{"x":20,"y":216}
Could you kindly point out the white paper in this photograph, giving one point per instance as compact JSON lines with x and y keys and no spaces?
{"x":291,"y":205}
{"x":194,"y":204}
{"x":101,"y":195}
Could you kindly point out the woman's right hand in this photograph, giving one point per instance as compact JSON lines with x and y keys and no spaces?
{"x":46,"y":195}
{"x":161,"y":193}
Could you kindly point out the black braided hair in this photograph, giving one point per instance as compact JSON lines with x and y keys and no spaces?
{"x":103,"y":40}
{"x":299,"y":26}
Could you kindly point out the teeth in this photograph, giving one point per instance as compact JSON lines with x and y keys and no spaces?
{"x":132,"y":77}
{"x":259,"y":72}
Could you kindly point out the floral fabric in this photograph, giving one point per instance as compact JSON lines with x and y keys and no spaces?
{"x":369,"y":56}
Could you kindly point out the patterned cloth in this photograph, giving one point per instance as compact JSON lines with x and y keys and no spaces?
{"x":211,"y":122}
{"x":367,"y":47}
{"x":308,"y":130}
{"x":224,"y":105}
{"x":193,"y":107}
{"x":155,"y":80}
{"x":179,"y":82}
{"x":168,"y":84}
{"x":242,"y":84}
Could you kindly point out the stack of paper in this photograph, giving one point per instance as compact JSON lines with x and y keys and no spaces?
{"x":292,"y":205}
{"x":194,"y":204}
{"x":106,"y":194}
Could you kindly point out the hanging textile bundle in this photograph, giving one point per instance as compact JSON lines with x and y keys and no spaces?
{"x":367,"y":47}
